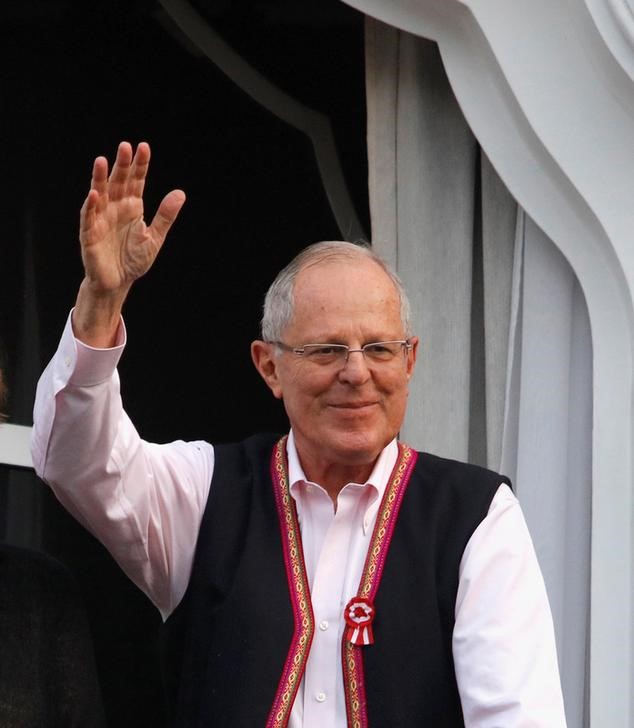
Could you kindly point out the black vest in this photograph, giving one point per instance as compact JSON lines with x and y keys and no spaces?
{"x":228,"y":639}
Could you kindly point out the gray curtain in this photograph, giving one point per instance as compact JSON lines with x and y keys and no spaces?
{"x":504,"y":375}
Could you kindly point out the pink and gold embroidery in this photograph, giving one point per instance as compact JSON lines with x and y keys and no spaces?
{"x":354,"y":684}
{"x":298,"y":589}
{"x":352,"y":656}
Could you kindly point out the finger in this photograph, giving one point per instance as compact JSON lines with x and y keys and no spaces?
{"x":166,"y":214}
{"x":88,"y":212}
{"x":99,"y":182}
{"x":99,"y":175}
{"x":138,"y":170}
{"x":120,"y":170}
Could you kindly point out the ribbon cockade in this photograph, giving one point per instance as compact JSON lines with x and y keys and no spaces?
{"x":359,"y":615}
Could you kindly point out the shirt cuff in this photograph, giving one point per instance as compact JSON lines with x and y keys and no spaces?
{"x":87,"y":366}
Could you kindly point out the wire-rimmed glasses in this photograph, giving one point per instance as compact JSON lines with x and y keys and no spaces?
{"x":376,"y":352}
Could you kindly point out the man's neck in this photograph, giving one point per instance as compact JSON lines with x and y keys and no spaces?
{"x":334,"y":478}
{"x":333,"y":468}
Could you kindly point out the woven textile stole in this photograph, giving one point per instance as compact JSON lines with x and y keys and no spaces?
{"x":352,"y":655}
{"x":298,"y":589}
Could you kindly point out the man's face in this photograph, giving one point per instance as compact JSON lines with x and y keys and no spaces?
{"x":341,"y":415}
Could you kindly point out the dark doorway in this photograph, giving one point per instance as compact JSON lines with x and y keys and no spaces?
{"x":78,"y":77}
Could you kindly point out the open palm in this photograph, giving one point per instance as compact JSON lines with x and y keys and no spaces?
{"x":117,"y":245}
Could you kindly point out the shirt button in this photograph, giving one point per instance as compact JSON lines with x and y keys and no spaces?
{"x":323,"y":625}
{"x":320,"y":697}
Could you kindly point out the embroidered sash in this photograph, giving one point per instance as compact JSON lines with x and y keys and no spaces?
{"x":298,"y":589}
{"x":304,"y":622}
{"x":352,"y":654}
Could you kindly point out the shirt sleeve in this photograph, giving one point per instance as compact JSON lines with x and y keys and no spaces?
{"x":143,"y":501}
{"x":503,"y":641}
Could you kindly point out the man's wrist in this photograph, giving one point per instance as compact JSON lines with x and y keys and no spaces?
{"x":97,"y":315}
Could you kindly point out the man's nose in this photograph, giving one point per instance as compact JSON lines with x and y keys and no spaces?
{"x":355,"y":370}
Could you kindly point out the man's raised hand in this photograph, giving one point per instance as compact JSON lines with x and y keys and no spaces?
{"x":117,"y":246}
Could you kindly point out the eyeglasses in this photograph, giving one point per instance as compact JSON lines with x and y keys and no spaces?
{"x":377,"y":352}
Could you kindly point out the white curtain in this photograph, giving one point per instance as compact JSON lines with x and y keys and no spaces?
{"x":504,"y":375}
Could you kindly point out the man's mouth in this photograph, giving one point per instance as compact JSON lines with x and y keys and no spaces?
{"x":353,"y":405}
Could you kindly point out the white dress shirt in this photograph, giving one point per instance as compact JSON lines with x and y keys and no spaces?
{"x":145,"y":502}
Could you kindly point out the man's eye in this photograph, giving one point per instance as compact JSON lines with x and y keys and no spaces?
{"x":323,"y":354}
{"x":380,"y":350}
{"x":377,"y":348}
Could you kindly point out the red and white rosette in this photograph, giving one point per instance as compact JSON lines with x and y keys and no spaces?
{"x":359,"y":615}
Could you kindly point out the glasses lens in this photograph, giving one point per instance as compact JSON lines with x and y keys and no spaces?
{"x":382,"y":351}
{"x":325,"y":353}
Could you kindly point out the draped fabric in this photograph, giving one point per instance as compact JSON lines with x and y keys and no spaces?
{"x":504,"y":374}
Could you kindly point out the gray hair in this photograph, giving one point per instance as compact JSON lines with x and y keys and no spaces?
{"x":278,"y":302}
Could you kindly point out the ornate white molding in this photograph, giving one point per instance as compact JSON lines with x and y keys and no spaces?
{"x":547,"y":97}
{"x":614,"y":20}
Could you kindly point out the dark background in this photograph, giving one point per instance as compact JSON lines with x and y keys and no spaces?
{"x":77,"y":78}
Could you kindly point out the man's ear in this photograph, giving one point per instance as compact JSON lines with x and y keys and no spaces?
{"x":411,"y":356}
{"x":265,"y":360}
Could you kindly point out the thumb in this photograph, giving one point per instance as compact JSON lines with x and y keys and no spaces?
{"x":166,"y":214}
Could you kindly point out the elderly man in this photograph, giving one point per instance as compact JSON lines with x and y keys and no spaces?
{"x":330,"y":577}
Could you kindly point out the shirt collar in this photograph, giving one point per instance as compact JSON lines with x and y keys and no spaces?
{"x":378,"y":479}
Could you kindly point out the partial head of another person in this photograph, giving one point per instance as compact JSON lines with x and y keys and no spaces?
{"x":345,"y":398}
